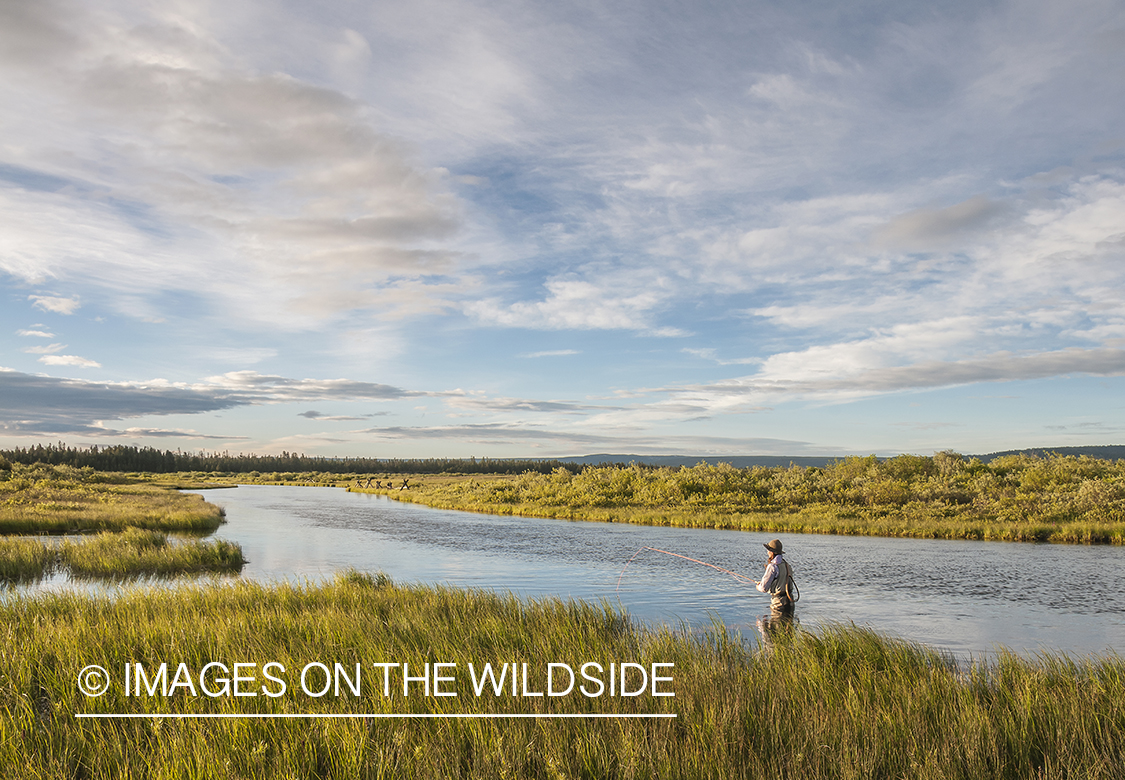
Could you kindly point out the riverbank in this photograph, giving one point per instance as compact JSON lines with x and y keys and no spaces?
{"x":1076,"y":500}
{"x":841,"y":703}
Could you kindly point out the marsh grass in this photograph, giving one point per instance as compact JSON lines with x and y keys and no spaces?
{"x":842,"y":703}
{"x":117,"y":556}
{"x":1018,"y":498}
{"x":138,"y":552}
{"x":42,"y":499}
{"x":25,"y":560}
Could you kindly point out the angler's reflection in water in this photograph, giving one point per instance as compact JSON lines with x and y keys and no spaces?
{"x":777,"y":627}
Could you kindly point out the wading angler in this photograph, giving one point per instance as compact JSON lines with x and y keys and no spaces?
{"x":778,"y":580}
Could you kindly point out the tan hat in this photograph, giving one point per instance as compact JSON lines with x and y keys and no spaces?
{"x":774,"y":546}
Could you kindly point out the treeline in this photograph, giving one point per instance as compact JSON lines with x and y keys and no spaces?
{"x":149,"y":459}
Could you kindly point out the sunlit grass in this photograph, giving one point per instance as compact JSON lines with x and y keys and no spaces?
{"x":24,"y":560}
{"x":61,"y":500}
{"x":841,"y":703}
{"x":1072,"y":500}
{"x":44,"y":500}
{"x":136,"y":552}
{"x":111,"y":555}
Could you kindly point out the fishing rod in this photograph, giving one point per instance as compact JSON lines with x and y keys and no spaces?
{"x":734,"y":574}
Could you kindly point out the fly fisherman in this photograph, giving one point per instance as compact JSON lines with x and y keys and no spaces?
{"x":778,"y":580}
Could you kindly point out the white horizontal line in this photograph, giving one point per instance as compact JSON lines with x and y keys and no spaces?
{"x":272,"y":715}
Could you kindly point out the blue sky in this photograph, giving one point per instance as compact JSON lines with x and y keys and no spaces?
{"x":532,"y":229}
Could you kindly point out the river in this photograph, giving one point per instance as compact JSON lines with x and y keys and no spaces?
{"x":966,"y":598}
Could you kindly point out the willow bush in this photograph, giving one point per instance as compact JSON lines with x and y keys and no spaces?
{"x":1018,"y":498}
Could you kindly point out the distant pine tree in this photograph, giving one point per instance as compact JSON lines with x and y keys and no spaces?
{"x":132,"y":458}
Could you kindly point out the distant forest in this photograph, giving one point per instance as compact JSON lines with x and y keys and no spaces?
{"x":132,"y":458}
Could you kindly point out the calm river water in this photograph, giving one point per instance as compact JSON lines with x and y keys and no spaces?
{"x":964,"y":597}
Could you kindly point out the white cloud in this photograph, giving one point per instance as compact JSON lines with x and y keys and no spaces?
{"x":69,"y":360}
{"x":45,"y":350}
{"x":580,"y":305}
{"x":552,"y":353}
{"x":854,"y":373}
{"x":252,"y":386}
{"x":170,"y":433}
{"x":188,"y":169}
{"x":55,"y":304}
{"x":39,"y":334}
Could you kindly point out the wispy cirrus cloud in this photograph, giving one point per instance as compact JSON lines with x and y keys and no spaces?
{"x":209,"y":173}
{"x":640,"y":444}
{"x":806,"y":375}
{"x":577,"y":304}
{"x":926,"y":229}
{"x":55,"y":304}
{"x":552,"y":353}
{"x":48,"y":349}
{"x":252,"y":386}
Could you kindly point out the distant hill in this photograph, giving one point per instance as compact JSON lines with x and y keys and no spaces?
{"x":1104,"y":451}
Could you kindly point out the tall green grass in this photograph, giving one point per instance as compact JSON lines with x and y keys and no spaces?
{"x":1057,"y":499}
{"x":842,"y":703}
{"x":24,"y":560}
{"x":132,"y":553}
{"x":136,"y":552}
{"x":42,"y":499}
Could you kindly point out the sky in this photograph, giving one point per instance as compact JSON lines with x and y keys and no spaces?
{"x":449,"y":228}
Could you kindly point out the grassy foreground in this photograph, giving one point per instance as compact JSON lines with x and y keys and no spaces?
{"x":1016,"y":498}
{"x":842,"y":704}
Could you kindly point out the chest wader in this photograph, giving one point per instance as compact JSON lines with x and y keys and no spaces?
{"x":783,"y":589}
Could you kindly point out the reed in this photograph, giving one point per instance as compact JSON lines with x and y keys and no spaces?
{"x":24,"y":560}
{"x":840,"y":703}
{"x":137,"y":552}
